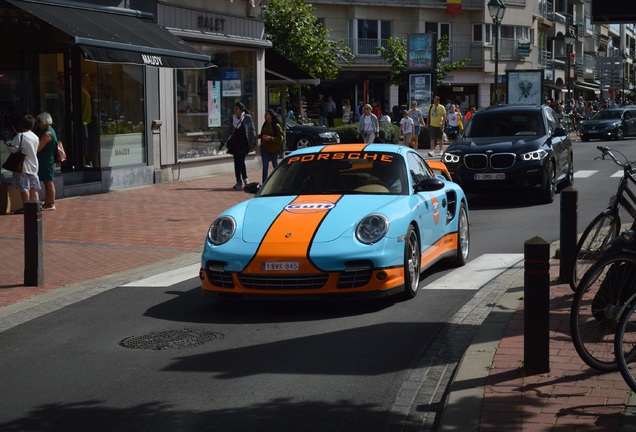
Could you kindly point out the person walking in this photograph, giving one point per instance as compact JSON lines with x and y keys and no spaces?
{"x":368,"y":125}
{"x":241,"y":140}
{"x":347,"y":112}
{"x":272,"y":138}
{"x":46,"y":158}
{"x":454,"y":120}
{"x":418,"y":120}
{"x":330,"y":108}
{"x":407,"y":128}
{"x":27,"y":181}
{"x":436,"y":119}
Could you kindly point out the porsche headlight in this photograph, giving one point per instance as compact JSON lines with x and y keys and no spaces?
{"x":372,"y":228}
{"x":450,"y":158}
{"x":534,"y":155}
{"x":221,"y":230}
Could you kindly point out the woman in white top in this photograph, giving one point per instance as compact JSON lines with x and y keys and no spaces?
{"x":27,"y":182}
{"x":407,"y":127}
{"x":453,"y":118}
{"x":347,"y":113}
{"x":368,"y":125}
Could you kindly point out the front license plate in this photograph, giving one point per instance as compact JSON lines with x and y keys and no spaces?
{"x":280,"y":266}
{"x":495,"y":176}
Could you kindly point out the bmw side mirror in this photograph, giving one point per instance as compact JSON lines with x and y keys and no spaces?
{"x":559,"y":131}
{"x":429,"y":185}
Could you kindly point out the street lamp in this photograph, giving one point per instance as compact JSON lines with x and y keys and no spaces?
{"x":497,"y":9}
{"x":570,"y":40}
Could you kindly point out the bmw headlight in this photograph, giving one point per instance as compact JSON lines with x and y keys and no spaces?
{"x":372,"y":228}
{"x":534,"y":155}
{"x":221,"y":230}
{"x":451,"y":158}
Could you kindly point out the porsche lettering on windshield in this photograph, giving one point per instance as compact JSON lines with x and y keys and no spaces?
{"x":341,"y":156}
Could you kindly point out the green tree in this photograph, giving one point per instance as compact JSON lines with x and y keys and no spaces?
{"x":292,"y":28}
{"x":395,"y":55}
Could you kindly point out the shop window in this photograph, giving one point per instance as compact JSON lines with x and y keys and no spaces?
{"x":205,"y":101}
{"x":117,"y":112}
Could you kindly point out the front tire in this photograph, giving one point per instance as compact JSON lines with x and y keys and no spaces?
{"x":304,"y":142}
{"x":549,"y":188}
{"x":411,"y":264}
{"x":463,"y":237}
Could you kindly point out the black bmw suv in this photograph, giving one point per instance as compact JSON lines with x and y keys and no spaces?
{"x":510,"y":147}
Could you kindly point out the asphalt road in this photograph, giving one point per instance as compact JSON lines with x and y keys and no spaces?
{"x":266,"y":366}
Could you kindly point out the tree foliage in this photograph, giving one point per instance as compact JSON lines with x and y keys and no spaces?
{"x":395,"y":55}
{"x":292,"y":28}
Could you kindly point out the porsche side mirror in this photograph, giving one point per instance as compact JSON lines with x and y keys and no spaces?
{"x":251,"y":188}
{"x":429,"y":185}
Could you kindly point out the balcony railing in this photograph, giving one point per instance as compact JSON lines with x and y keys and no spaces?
{"x":468,"y":4}
{"x":365,"y":52}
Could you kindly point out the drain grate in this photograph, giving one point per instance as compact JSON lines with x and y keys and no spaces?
{"x":171,"y":339}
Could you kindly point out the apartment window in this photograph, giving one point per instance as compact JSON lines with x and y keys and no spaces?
{"x":482,"y":33}
{"x":441,"y":29}
{"x":367,"y":35}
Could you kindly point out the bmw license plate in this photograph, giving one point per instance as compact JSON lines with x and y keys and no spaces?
{"x":493,"y":176}
{"x":280,"y":266}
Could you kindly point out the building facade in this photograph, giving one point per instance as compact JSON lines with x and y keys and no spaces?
{"x":140,"y":91}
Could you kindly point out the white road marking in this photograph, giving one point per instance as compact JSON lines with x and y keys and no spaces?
{"x":618,"y":173}
{"x":584,"y":173}
{"x":168,"y":278}
{"x":477,"y":272}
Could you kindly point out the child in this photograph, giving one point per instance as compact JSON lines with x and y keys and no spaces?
{"x":407,"y":127}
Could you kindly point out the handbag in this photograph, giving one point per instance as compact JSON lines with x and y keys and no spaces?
{"x":60,"y":154}
{"x":15,"y":161}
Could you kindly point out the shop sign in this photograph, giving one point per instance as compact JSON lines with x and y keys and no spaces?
{"x":211,"y":24}
{"x":523,"y":49}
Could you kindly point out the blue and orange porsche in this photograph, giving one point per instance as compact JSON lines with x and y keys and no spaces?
{"x":338,"y":220}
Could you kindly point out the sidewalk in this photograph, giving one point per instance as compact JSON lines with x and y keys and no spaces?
{"x":490,"y":392}
{"x":91,"y":237}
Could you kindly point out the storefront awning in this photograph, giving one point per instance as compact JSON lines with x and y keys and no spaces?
{"x":588,"y":86}
{"x":117,"y":36}
{"x":280,"y":71}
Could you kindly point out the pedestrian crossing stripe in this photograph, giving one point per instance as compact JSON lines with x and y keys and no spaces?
{"x":476,"y":273}
{"x":584,"y":173}
{"x":618,"y":173}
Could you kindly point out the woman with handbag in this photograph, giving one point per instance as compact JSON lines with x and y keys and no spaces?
{"x":46,"y":158}
{"x":272,"y":137}
{"x":26,"y":180}
{"x":240,"y":142}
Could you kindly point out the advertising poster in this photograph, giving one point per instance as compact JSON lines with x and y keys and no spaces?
{"x":525,"y":87}
{"x":420,"y":90}
{"x":421,"y":51}
{"x":214,"y":108}
{"x":231,"y":82}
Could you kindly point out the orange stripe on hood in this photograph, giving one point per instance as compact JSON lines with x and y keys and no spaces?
{"x":343,"y":148}
{"x":289,"y":236}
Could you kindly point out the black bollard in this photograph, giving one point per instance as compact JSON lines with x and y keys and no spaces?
{"x":536,"y":293}
{"x":33,"y":264}
{"x":569,"y":208}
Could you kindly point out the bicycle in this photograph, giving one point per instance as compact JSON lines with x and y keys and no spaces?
{"x":606,"y":291}
{"x":606,"y":225}
{"x":625,"y":342}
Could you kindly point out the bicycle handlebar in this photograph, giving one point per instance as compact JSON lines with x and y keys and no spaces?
{"x":606,"y":151}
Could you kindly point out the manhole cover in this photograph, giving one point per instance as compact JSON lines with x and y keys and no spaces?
{"x":171,"y":339}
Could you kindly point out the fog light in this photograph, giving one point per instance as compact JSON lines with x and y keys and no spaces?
{"x":202,"y":275}
{"x":381,"y":275}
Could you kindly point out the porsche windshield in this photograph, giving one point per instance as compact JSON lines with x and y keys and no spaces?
{"x":338,"y":173}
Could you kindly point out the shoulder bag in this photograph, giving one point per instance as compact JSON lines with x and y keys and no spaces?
{"x":15,"y":161}
{"x":60,"y":154}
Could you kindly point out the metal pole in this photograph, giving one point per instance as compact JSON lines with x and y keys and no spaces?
{"x":569,"y":50}
{"x":496,"y":101}
{"x":536,"y":294}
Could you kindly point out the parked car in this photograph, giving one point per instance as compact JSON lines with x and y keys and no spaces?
{"x":512,"y":147}
{"x":610,"y":123}
{"x":300,"y":136}
{"x":338,"y":220}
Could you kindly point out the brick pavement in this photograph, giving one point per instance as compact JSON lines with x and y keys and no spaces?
{"x":93,"y":236}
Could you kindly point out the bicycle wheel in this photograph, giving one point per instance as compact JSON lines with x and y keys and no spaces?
{"x":596,"y":307}
{"x":625,"y":345}
{"x":603,"y":228}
